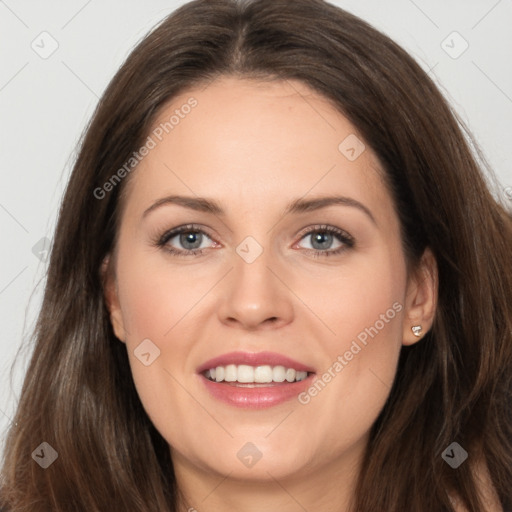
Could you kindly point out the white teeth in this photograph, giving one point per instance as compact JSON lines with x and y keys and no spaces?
{"x":278,"y":373}
{"x":246,"y":374}
{"x":231,"y":374}
{"x":263,"y":374}
{"x":290,"y":374}
{"x":219,"y":373}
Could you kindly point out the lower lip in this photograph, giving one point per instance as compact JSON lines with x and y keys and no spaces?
{"x":257,"y":397}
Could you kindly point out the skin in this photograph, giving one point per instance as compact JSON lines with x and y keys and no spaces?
{"x":254,"y":147}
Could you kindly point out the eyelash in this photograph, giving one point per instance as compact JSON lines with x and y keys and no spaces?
{"x":342,"y":236}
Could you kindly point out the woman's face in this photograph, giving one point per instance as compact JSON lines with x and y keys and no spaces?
{"x":290,"y":261}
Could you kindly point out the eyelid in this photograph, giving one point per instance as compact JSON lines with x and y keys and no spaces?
{"x":343,"y":237}
{"x":346,"y":240}
{"x":325,"y":227}
{"x":184,"y":228}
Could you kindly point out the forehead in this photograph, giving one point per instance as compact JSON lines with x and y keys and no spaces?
{"x":254,"y":143}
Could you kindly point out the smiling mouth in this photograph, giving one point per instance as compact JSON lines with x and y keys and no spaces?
{"x":254,"y":376}
{"x":255,"y":380}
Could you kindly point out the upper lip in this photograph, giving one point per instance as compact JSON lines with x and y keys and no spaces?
{"x":254,"y":359}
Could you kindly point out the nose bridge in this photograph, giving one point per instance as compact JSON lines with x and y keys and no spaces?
{"x":251,"y":268}
{"x":253,"y":293}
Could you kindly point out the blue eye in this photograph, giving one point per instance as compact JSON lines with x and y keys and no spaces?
{"x":322,"y":239}
{"x":191,"y":240}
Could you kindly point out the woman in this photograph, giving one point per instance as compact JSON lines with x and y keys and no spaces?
{"x":197,"y":350}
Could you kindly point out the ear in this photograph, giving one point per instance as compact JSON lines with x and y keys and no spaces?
{"x":111,"y":295}
{"x":421,"y":298}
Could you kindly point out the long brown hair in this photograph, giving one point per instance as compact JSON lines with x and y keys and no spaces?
{"x":453,"y":386}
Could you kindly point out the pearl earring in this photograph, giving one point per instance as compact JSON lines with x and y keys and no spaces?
{"x":416,"y":330}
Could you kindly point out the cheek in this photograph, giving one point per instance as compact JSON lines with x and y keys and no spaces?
{"x":364,"y":309}
{"x":160,"y":303}
{"x":155,"y":297}
{"x":363,"y":298}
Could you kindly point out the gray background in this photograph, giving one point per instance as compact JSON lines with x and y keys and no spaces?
{"x":46,"y":101}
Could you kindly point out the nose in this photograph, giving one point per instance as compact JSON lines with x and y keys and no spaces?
{"x":254,"y":297}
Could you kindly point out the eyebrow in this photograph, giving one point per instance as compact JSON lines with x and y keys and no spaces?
{"x":300,"y":205}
